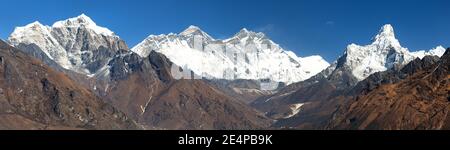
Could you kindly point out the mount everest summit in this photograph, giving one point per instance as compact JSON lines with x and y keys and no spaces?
{"x":141,"y":87}
{"x":246,"y":55}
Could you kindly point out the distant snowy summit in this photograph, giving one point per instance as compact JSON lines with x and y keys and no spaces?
{"x":77,"y":44}
{"x":385,"y":52}
{"x":246,"y":55}
{"x":83,"y":21}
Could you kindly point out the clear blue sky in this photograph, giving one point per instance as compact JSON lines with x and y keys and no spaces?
{"x":306,"y":27}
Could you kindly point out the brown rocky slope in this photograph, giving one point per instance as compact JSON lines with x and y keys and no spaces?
{"x":421,"y":101}
{"x":34,"y":96}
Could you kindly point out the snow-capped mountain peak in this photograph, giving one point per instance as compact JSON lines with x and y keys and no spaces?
{"x":246,"y":55}
{"x":76,"y":43}
{"x":386,"y":38}
{"x":196,"y":31}
{"x":35,"y":24}
{"x":191,"y":29}
{"x":385,"y":52}
{"x":246,"y":33}
{"x":82,"y":21}
{"x":29,"y":29}
{"x":438,"y":51}
{"x":40,"y":35}
{"x":386,"y":31}
{"x":32,"y":27}
{"x":242,"y":32}
{"x":75,"y":22}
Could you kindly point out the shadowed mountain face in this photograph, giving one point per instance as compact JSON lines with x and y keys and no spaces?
{"x":415,"y":97}
{"x":34,"y":96}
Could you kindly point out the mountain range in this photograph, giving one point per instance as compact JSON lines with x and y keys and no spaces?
{"x":246,"y":55}
{"x":191,"y":80}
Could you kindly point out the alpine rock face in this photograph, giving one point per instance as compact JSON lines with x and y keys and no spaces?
{"x":246,"y":55}
{"x":76,"y":44}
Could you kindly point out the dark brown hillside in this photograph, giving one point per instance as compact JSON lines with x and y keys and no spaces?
{"x":421,"y":101}
{"x":193,"y":104}
{"x":34,"y":96}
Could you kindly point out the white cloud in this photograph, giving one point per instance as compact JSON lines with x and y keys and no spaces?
{"x":330,"y":23}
